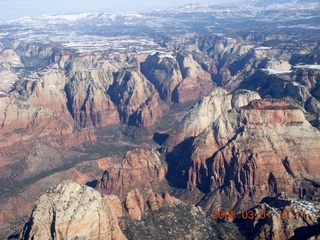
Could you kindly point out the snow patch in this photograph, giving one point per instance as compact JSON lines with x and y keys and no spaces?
{"x":308,"y":66}
{"x":263,"y":48}
{"x":277,"y":71}
{"x":30,"y":79}
{"x":296,"y":84}
{"x":166,"y":56}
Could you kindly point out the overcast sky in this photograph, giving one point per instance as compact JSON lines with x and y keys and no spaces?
{"x":12,"y":9}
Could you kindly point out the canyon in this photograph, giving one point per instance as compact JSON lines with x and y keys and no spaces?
{"x":148,"y":130}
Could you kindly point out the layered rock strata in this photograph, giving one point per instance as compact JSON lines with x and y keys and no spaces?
{"x":180,"y":79}
{"x":138,"y":167}
{"x":72,"y":211}
{"x":205,"y":113}
{"x":257,"y":150}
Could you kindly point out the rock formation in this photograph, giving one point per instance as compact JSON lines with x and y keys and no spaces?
{"x":258,"y":150}
{"x":115,"y":204}
{"x":138,"y":167}
{"x":137,"y":98}
{"x":278,"y":65}
{"x":135,"y":204}
{"x":154,"y":200}
{"x":196,"y":81}
{"x":96,"y":86}
{"x":72,"y":211}
{"x":179,"y":79}
{"x":164,"y":74}
{"x":173,"y":220}
{"x":204,"y":113}
{"x":281,"y":218}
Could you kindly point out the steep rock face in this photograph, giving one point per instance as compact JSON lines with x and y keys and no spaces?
{"x":7,"y":78}
{"x":256,"y":151}
{"x":72,"y":211}
{"x":196,"y":81}
{"x":134,"y":204}
{"x":115,"y":204}
{"x":205,"y":113}
{"x":150,"y":111}
{"x":88,"y":101}
{"x":154,"y":200}
{"x":28,"y":49}
{"x":8,"y":58}
{"x":137,"y":98}
{"x":138,"y":167}
{"x":180,"y":79}
{"x":101,"y":93}
{"x":163,"y":72}
{"x":37,"y":108}
{"x":24,"y":117}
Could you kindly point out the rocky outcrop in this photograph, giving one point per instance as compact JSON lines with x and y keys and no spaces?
{"x":172,"y":221}
{"x":278,"y":65}
{"x":134,"y":204}
{"x":90,"y":106}
{"x":72,"y":211}
{"x":154,"y":200}
{"x":179,"y":79}
{"x":258,"y":150}
{"x":203,"y":114}
{"x":115,"y":204}
{"x":139,"y":103}
{"x":138,"y":167}
{"x":163,"y":72}
{"x":88,"y":102}
{"x":8,"y":58}
{"x":281,"y":218}
{"x":196,"y":81}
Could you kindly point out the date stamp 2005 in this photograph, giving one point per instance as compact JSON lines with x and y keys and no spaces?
{"x":250,"y":214}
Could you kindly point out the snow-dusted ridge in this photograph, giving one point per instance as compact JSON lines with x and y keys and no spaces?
{"x":317,"y":67}
{"x":133,"y":31}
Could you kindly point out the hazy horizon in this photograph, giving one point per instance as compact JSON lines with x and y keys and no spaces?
{"x":13,"y":9}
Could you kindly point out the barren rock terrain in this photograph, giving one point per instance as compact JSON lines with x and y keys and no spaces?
{"x":142,"y":124}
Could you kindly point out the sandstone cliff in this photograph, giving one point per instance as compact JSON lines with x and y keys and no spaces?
{"x":196,"y":81}
{"x":204,"y":113}
{"x":258,"y":150}
{"x":138,"y":167}
{"x":164,"y":74}
{"x":72,"y":211}
{"x":180,"y":79}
